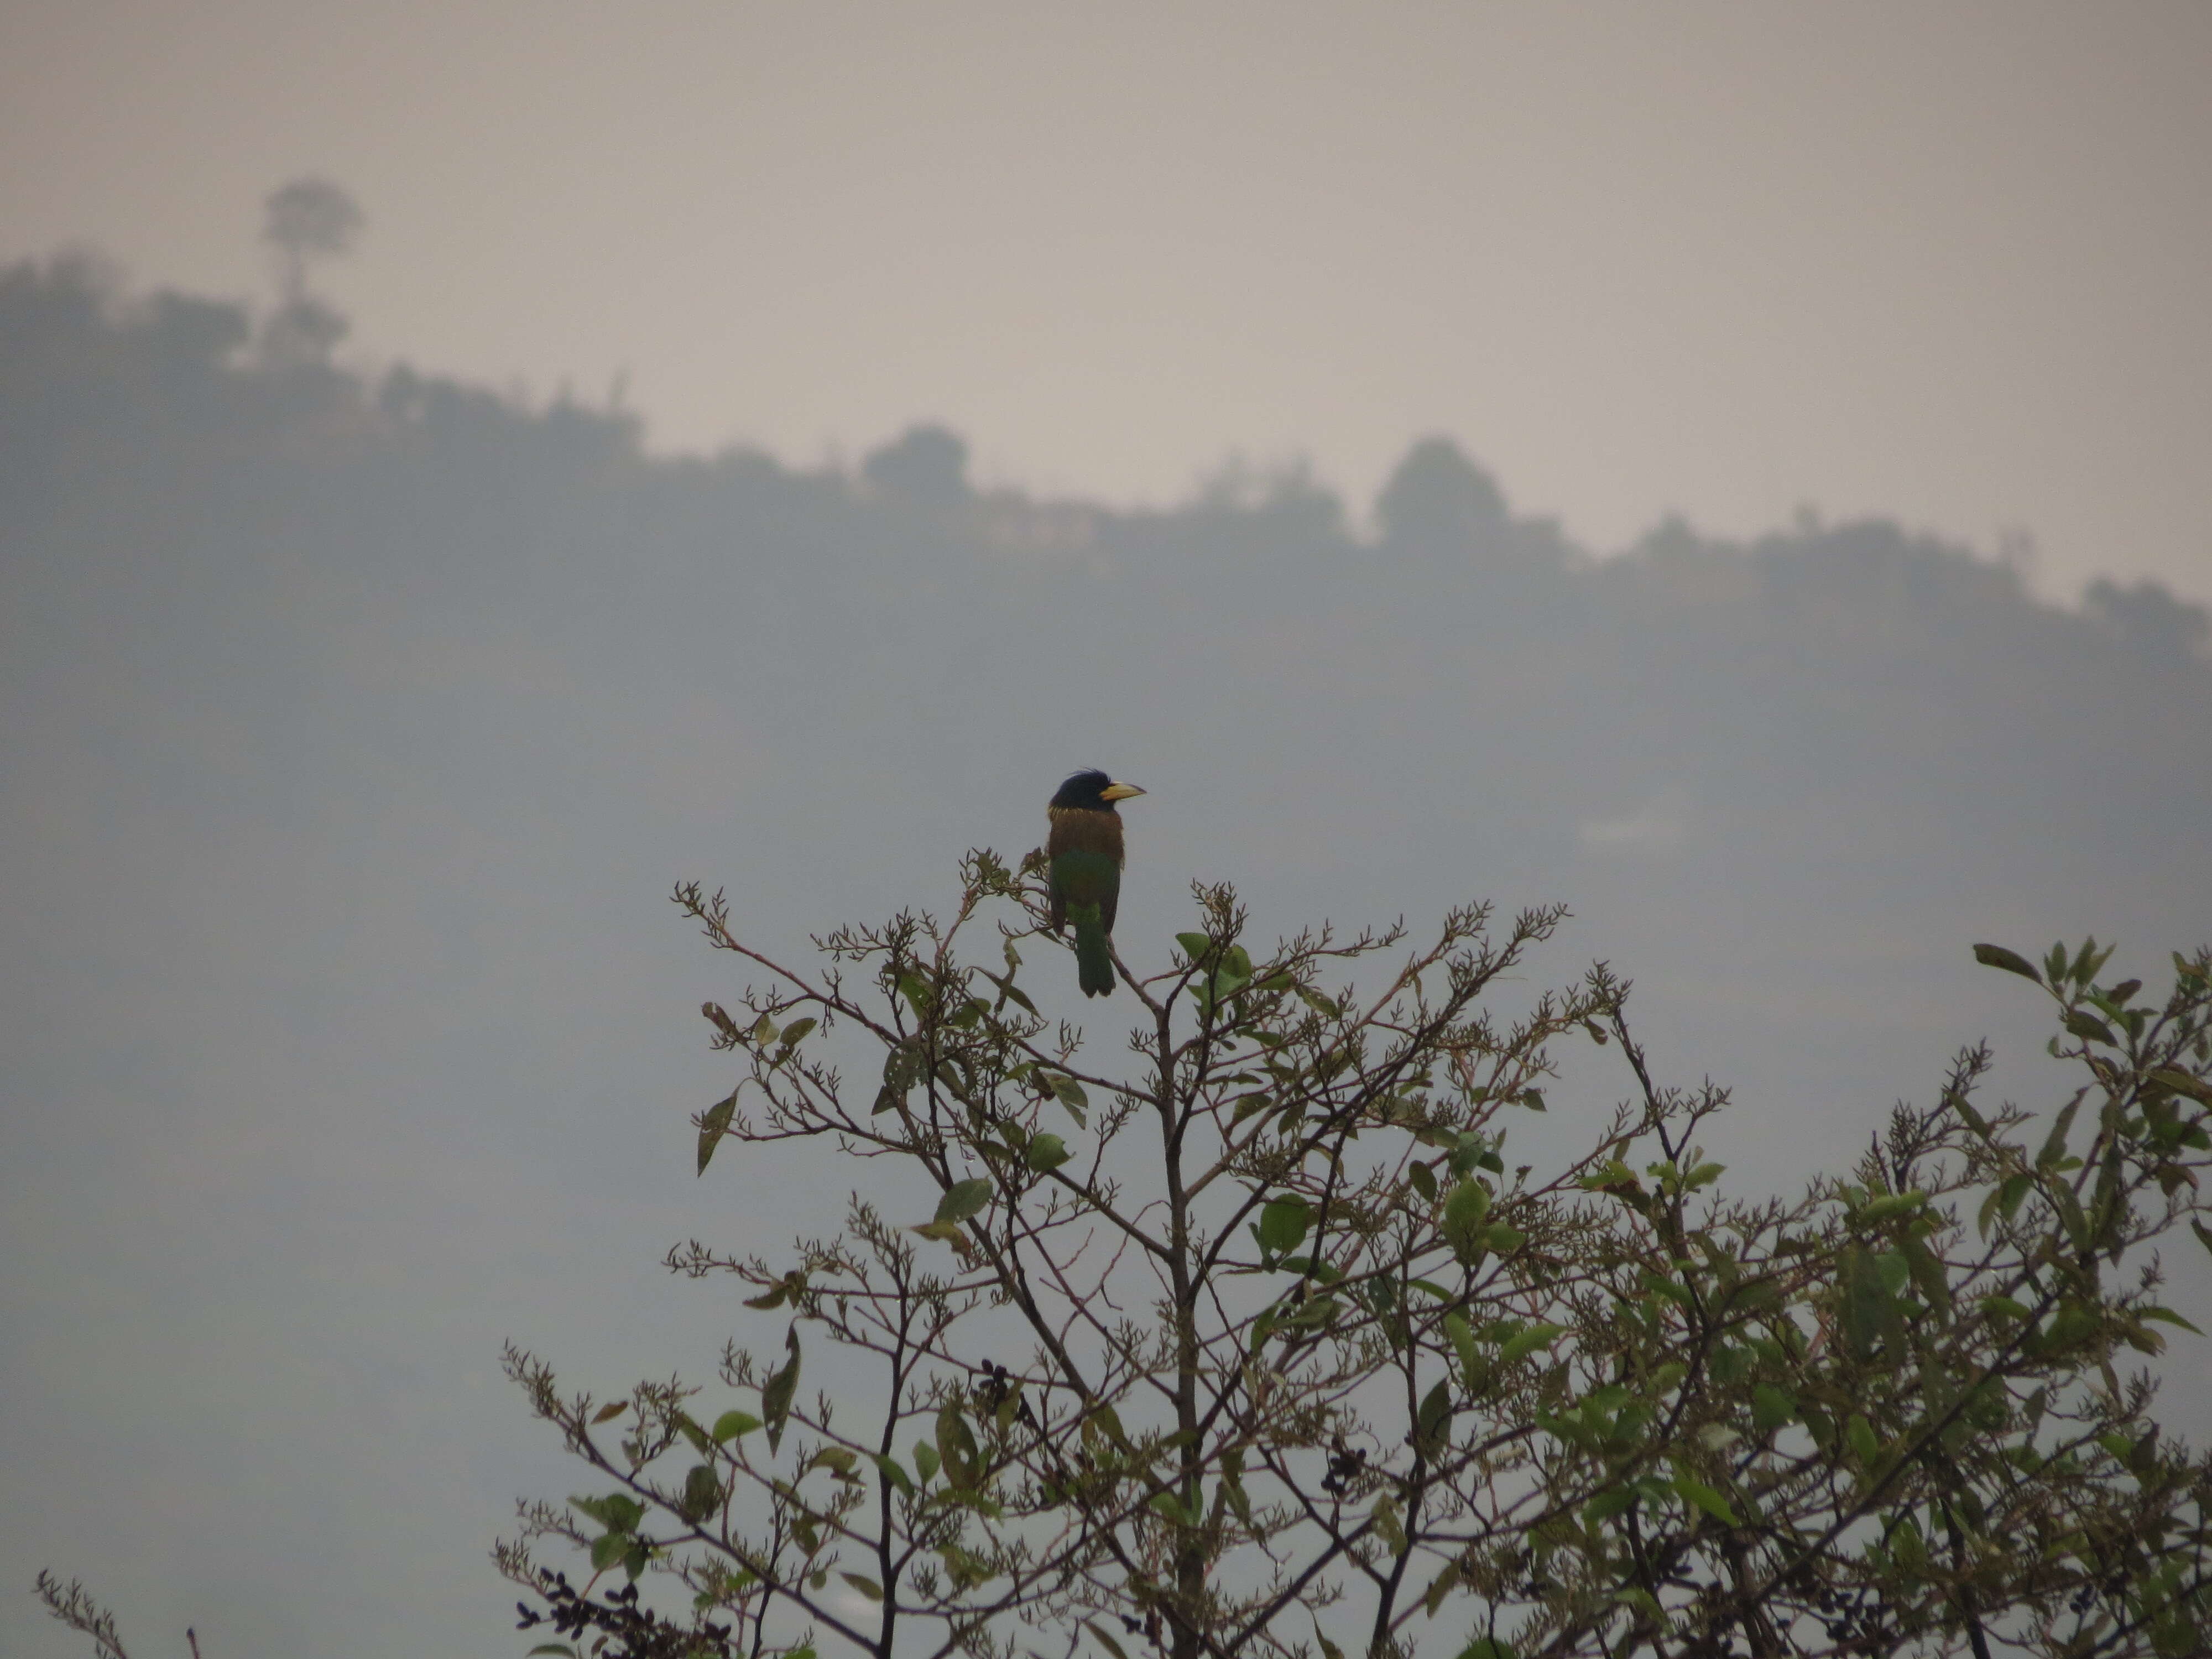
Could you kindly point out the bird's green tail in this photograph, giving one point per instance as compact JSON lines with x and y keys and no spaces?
{"x":1094,"y":968}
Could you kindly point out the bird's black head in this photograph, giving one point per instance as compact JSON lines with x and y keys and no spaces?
{"x":1092,"y":791}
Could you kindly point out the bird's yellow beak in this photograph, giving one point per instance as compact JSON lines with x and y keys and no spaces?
{"x":1119,"y":792}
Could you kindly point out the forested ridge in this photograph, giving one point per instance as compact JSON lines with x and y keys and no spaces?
{"x":1855,"y":681}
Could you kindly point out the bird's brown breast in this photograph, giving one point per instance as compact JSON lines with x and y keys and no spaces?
{"x":1080,"y":829}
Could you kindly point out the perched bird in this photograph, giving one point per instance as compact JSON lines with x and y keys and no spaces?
{"x":1084,"y":849}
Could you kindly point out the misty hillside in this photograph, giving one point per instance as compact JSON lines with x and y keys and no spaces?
{"x":284,"y":582}
{"x":355,"y":730}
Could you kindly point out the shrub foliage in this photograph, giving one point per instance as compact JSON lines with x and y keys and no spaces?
{"x":1258,"y":1343}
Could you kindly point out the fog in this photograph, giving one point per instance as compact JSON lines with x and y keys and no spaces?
{"x":357,"y":726}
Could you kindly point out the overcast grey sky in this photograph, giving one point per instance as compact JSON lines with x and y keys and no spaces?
{"x":1944,"y":263}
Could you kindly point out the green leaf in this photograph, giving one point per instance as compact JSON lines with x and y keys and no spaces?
{"x":1485,"y":1647}
{"x":1009,"y":1407}
{"x":1070,"y":1094}
{"x":1432,"y":1423}
{"x":1864,"y":1446}
{"x":715,"y":1125}
{"x":1168,"y":1505}
{"x":2166,"y":1315}
{"x":1103,"y":1639}
{"x":1045,"y":1153}
{"x":1890,"y":1204}
{"x":1327,"y":1272}
{"x":1606,"y":1505}
{"x":2090,"y":1029}
{"x":1528,"y":1340}
{"x":1896,"y":1273}
{"x":955,"y":1446}
{"x":1996,"y":956}
{"x":1232,"y":1483}
{"x":1770,"y":1408}
{"x":600,"y":1510}
{"x":616,"y":1512}
{"x":1259,"y":1100}
{"x":609,"y":1548}
{"x":1283,"y":1223}
{"x":962,"y":1200}
{"x":915,"y":990}
{"x":1008,"y":991}
{"x":795,"y":1033}
{"x":1195,"y":946}
{"x":702,"y":1494}
{"x":552,"y":1647}
{"x":1462,"y":1340}
{"x":1424,"y":1179}
{"x":893,"y":1473}
{"x":1439,"y":1587}
{"x":2171,"y":1076}
{"x":1464,"y":1211}
{"x":925,"y":1460}
{"x":867,"y":1587}
{"x":1696,"y":1493}
{"x":901,"y":1071}
{"x":1387,"y":1525}
{"x":1868,"y":1312}
{"x":1930,"y":1276}
{"x":776,"y":1394}
{"x":1110,"y":1424}
{"x":731,"y":1426}
{"x":608,"y":1412}
{"x":2055,"y":1147}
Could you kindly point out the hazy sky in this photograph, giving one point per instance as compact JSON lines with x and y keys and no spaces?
{"x":1946,"y":263}
{"x":344,"y":1027}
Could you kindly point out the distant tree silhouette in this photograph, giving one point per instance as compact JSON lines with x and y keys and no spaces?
{"x":305,"y":219}
{"x":1438,"y":496}
{"x":926,"y":467}
{"x":2150,"y":618}
{"x":308,"y":219}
